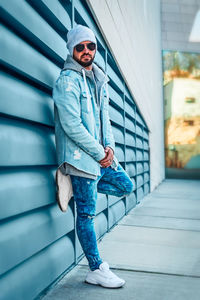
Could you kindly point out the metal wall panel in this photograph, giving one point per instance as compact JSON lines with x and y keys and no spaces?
{"x":29,"y":278}
{"x":35,"y":235}
{"x":35,"y":231}
{"x":116,"y":212}
{"x":37,"y":105}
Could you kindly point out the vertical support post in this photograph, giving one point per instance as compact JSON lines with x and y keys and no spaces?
{"x":135,"y":156}
{"x":143,"y":156}
{"x":124,"y":124}
{"x":149,"y":166}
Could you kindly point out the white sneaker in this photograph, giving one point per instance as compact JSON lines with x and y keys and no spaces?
{"x":104,"y":277}
{"x":64,"y":190}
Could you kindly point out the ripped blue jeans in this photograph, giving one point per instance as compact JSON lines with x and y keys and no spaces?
{"x":110,"y":182}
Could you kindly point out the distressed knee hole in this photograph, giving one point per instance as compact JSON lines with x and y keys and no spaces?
{"x":90,"y":217}
{"x":87,"y":216}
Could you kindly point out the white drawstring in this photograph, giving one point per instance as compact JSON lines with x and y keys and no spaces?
{"x":107,"y":92}
{"x":87,"y":90}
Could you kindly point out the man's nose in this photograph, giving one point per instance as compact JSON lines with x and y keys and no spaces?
{"x":86,"y":50}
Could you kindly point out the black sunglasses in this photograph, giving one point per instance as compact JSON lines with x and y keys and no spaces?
{"x":81,"y":47}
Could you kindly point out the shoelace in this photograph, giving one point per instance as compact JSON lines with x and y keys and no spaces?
{"x":108,"y":272}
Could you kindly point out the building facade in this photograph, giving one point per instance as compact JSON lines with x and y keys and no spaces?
{"x":38,"y":242}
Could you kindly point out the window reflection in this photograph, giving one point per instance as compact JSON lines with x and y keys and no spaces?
{"x":182,"y":109}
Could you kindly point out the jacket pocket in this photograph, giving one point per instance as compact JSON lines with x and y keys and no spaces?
{"x":85,"y":102}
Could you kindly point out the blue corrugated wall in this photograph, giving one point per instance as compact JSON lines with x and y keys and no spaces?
{"x":37,"y":241}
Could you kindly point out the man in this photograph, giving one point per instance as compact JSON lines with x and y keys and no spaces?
{"x":85,"y":144}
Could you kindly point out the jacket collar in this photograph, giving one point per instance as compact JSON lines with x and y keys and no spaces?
{"x":72,"y":64}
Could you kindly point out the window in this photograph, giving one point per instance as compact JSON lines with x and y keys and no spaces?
{"x":190,"y":100}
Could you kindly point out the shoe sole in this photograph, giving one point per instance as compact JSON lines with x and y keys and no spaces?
{"x":107,"y":287}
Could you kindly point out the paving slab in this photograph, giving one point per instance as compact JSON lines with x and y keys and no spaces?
{"x":139,"y":286}
{"x":161,"y":222}
{"x":178,"y":184}
{"x":188,"y":189}
{"x":174,"y":203}
{"x":172,"y":196}
{"x":156,"y":249}
{"x":188,"y":213}
{"x":189,"y":195}
{"x":153,"y":250}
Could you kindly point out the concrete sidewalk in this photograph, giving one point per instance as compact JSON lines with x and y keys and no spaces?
{"x":156,"y":249}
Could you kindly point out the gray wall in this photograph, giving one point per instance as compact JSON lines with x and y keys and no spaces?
{"x":177,"y":21}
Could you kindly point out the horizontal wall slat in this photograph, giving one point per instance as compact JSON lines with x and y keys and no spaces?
{"x":23,"y":144}
{"x":146,"y":166}
{"x":39,"y":271}
{"x":101,"y":203}
{"x":24,"y":189}
{"x":101,"y":225}
{"x":145,"y":145}
{"x":130,"y":109}
{"x":130,"y":140}
{"x":146,"y":177}
{"x":79,"y":250}
{"x":139,"y":130}
{"x":139,"y":155}
{"x":139,"y":143}
{"x":139,"y":180}
{"x":145,"y":134}
{"x":115,"y":97}
{"x":26,"y":60}
{"x":139,"y":119}
{"x":131,"y":201}
{"x":55,"y":12}
{"x":140,"y":193}
{"x":113,"y":76}
{"x":118,"y":135}
{"x":146,"y":188}
{"x":100,"y":60}
{"x":129,"y":124}
{"x":15,"y":94}
{"x":130,"y":154}
{"x":134,"y":183}
{"x":35,"y":231}
{"x":130,"y":169}
{"x":112,"y":200}
{"x":127,"y":94}
{"x":31,"y":22}
{"x":139,"y":167}
{"x":119,"y":153}
{"x":146,"y":155}
{"x":116,"y":212}
{"x":116,"y":116}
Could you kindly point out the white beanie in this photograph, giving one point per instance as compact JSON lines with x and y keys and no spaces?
{"x":77,"y":35}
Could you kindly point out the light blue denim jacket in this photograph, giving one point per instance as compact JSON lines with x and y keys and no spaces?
{"x":77,"y":118}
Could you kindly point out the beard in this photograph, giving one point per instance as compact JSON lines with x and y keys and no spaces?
{"x":85,"y":63}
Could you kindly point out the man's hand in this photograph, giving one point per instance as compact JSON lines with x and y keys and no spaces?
{"x":108,"y":159}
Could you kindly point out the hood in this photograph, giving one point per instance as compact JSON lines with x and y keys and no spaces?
{"x":71,"y":64}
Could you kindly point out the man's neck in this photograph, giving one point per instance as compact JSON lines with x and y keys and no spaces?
{"x":88,"y":68}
